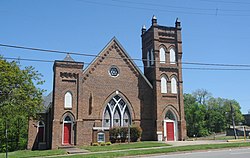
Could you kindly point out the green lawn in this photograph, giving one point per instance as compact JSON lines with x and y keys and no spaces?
{"x":123,"y":146}
{"x":163,"y":150}
{"x":29,"y":153}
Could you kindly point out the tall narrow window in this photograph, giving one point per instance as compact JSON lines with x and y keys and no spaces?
{"x":172,"y":56}
{"x":152,"y":57}
{"x":148,"y":59}
{"x":173,"y":85}
{"x":164,"y":85}
{"x":162,"y":56}
{"x":68,"y":100}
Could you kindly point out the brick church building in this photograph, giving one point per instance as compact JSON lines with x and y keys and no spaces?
{"x":112,"y":91}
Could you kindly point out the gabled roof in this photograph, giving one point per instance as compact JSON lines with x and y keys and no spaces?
{"x":99,"y":56}
{"x":47,"y":100}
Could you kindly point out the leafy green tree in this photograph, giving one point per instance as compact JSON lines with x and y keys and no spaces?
{"x":206,"y":114}
{"x":20,"y":99}
{"x":195,"y":114}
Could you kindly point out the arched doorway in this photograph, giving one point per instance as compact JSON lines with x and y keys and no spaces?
{"x":170,"y":126}
{"x":67,"y":130}
{"x":41,"y":131}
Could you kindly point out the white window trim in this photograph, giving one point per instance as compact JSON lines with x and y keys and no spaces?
{"x":164,"y":86}
{"x":162,"y":55}
{"x":148,"y":59}
{"x":172,"y":55}
{"x":68,"y":104}
{"x":174,"y":86}
{"x":152,"y":57}
{"x":112,"y":112}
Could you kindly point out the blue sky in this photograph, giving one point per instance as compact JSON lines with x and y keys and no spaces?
{"x":213,"y":31}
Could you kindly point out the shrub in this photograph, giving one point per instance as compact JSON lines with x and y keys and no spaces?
{"x":123,"y":133}
{"x":95,"y":144}
{"x":102,"y":143}
{"x":113,"y":133}
{"x":108,"y":143}
{"x":135,"y":133}
{"x":120,"y":134}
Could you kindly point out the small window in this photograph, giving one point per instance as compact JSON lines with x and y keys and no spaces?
{"x":162,"y":56}
{"x":173,"y":85}
{"x":148,"y":59}
{"x":152,"y":57}
{"x":172,"y":56}
{"x":68,"y":100}
{"x":100,"y":137}
{"x":164,"y":85}
{"x":113,"y":71}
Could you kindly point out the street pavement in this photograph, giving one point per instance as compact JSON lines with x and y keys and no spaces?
{"x":222,"y":153}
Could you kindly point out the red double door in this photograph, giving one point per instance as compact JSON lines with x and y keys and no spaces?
{"x":170,"y":131}
{"x":67,"y":133}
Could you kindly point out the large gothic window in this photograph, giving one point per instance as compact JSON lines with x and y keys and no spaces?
{"x":164,"y":84}
{"x":116,"y":113}
{"x":172,"y":56}
{"x":68,"y":100}
{"x":173,"y":85}
{"x":162,"y":56}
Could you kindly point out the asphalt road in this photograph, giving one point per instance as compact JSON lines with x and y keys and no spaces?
{"x":223,"y":153}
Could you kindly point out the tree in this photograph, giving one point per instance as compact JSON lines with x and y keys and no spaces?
{"x":20,"y":99}
{"x":206,"y":114}
{"x":202,"y":95}
{"x":195,"y":117}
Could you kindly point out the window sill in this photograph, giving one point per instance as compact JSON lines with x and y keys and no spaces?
{"x":172,"y":95}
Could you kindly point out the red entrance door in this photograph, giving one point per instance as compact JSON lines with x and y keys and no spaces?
{"x":170,"y":131}
{"x":67,"y":133}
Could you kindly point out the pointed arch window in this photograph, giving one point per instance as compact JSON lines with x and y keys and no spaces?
{"x":172,"y":56}
{"x":68,"y":100}
{"x":164,"y":88}
{"x":173,"y":85}
{"x":152,"y":57}
{"x":162,"y":55}
{"x":116,"y":113}
{"x":148,"y":59}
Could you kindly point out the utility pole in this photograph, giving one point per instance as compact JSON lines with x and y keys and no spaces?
{"x":232,"y":112}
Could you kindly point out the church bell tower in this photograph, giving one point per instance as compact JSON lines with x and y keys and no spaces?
{"x":162,"y":60}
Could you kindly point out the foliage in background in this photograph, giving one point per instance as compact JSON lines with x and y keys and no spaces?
{"x":206,"y":114}
{"x":19,"y":99}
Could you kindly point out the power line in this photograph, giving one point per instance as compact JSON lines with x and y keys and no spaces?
{"x":185,"y":68}
{"x":135,"y":59}
{"x":229,"y":2}
{"x":214,"y":13}
{"x":179,"y":7}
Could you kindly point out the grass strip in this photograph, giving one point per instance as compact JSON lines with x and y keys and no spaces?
{"x":163,"y":150}
{"x":146,"y":144}
{"x":29,"y":153}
